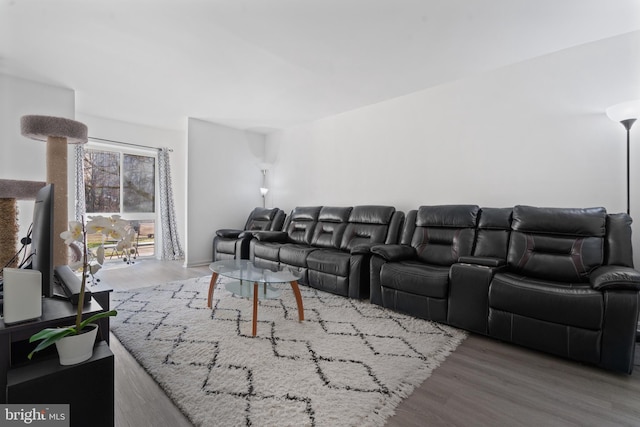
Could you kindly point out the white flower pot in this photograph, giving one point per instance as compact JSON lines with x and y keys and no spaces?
{"x":74,"y":349}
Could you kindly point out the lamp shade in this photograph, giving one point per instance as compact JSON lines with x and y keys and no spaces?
{"x":624,"y":111}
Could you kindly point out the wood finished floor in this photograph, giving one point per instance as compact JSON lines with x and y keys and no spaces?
{"x":483,"y":383}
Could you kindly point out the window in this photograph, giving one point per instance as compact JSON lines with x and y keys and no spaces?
{"x":124,"y":183}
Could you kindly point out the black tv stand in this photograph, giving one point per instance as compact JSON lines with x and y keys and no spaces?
{"x":60,"y":297}
{"x":55,"y":312}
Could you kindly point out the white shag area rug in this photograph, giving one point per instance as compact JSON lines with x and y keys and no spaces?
{"x":348,"y":364}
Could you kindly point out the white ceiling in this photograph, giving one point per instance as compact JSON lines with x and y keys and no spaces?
{"x":268,"y":64}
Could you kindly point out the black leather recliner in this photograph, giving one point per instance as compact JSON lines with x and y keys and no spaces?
{"x":569,"y":287}
{"x":234,"y":243}
{"x":296,"y":234}
{"x":413,"y":277}
{"x":341,"y":263}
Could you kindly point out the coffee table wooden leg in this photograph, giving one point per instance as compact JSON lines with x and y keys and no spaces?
{"x":212,"y":284}
{"x":255,"y":308}
{"x":296,"y":292}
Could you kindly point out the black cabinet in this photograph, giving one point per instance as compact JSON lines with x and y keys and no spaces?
{"x":87,"y":387}
{"x":14,"y":345}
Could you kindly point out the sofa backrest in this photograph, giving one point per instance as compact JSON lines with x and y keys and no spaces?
{"x":332,"y":222}
{"x":265,"y":219}
{"x":442,"y":234}
{"x":408,"y":228}
{"x":557,"y":244}
{"x":301,"y":223}
{"x":278,"y":221}
{"x":371,"y":225}
{"x":617,"y":246}
{"x":492,"y":234}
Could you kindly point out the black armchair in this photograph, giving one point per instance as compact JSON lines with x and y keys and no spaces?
{"x":234,"y":243}
{"x":569,"y":287}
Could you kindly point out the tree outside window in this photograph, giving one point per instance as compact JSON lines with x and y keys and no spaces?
{"x":102,"y":181}
{"x":139,"y":184}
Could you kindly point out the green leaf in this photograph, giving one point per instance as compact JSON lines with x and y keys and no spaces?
{"x":50,"y":332}
{"x":97,"y":316}
{"x":49,"y":336}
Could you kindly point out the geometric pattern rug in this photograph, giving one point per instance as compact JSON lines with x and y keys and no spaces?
{"x":349,"y":363}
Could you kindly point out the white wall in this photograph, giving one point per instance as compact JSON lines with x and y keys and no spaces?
{"x":132,"y":133}
{"x":223,"y":181}
{"x":532,"y":133}
{"x":20,"y":157}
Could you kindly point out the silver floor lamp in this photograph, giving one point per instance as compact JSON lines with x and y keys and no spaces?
{"x":626,"y":113}
{"x":264,"y":189}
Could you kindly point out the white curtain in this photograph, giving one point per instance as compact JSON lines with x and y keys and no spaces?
{"x":80,"y":207}
{"x":171,"y":247}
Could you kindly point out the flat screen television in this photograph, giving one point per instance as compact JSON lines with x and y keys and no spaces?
{"x":42,"y":238}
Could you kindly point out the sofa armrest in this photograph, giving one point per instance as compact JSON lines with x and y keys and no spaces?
{"x":229,"y":233}
{"x":615,"y":277}
{"x":619,"y":331}
{"x":270,"y":236}
{"x":394,"y":252}
{"x":361,"y":249}
{"x":468,"y":300}
{"x":484,"y":261}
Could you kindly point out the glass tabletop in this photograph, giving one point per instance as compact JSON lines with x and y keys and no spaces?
{"x":245,"y":289}
{"x":243,"y":269}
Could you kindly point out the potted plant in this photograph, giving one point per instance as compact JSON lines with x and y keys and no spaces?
{"x":75,"y":343}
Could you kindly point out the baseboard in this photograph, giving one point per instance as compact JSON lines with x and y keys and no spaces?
{"x":196,"y":264}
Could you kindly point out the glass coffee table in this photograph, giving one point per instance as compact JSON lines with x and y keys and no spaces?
{"x":248,"y":274}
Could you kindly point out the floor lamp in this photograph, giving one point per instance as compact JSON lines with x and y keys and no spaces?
{"x":264,"y":189}
{"x":626,"y":113}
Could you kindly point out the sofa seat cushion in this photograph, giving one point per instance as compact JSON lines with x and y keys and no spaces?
{"x":416,"y":278}
{"x":295,"y":254}
{"x":330,"y":261}
{"x":557,"y":302}
{"x":267,"y":250}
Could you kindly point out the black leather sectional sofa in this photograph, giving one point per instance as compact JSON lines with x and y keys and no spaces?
{"x":557,"y":280}
{"x":552,"y":279}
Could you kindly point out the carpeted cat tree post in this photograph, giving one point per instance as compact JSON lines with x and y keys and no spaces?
{"x":57,"y":131}
{"x":10,"y":192}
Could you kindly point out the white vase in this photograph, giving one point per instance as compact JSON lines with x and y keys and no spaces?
{"x":74,"y":349}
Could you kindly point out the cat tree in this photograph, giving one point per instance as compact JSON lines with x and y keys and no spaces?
{"x":57,"y":132}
